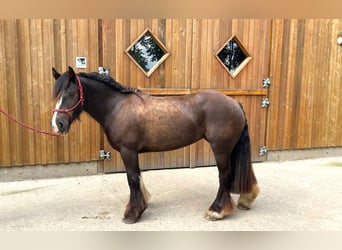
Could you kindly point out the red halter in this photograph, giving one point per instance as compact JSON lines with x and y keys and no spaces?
{"x":80,"y":101}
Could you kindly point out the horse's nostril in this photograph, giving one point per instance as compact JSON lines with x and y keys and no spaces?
{"x":60,"y":125}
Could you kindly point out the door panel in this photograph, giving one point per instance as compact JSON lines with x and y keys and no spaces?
{"x":191,"y":67}
{"x":246,"y":87}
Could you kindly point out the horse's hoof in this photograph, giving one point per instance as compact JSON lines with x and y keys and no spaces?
{"x":213,"y":216}
{"x":244,"y":206}
{"x":132,"y":216}
{"x":129,"y":221}
{"x":246,"y":200}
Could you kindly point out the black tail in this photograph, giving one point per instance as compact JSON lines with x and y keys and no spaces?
{"x":243,"y":176}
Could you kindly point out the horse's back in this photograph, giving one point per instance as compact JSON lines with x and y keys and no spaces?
{"x":166,"y":123}
{"x":219,"y":104}
{"x":209,"y":106}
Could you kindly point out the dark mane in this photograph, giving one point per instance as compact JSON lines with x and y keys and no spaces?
{"x":109,"y":81}
{"x":62,"y":83}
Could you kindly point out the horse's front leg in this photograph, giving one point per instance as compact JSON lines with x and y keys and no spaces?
{"x":138,"y":193}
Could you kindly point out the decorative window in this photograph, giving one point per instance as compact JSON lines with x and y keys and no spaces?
{"x":147,"y":52}
{"x":233,"y":56}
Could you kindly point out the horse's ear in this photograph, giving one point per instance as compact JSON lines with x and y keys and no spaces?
{"x":72,"y":75}
{"x":55,"y":73}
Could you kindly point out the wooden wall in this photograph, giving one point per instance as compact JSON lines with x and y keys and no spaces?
{"x":306,"y":90}
{"x":301,"y":57}
{"x":28,"y":51}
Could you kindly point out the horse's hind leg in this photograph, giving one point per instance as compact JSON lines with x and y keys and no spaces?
{"x":223,"y":204}
{"x":138,"y":193}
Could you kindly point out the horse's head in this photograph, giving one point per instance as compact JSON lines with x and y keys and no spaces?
{"x":69,"y":100}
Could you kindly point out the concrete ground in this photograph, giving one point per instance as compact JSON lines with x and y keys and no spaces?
{"x":295,"y":195}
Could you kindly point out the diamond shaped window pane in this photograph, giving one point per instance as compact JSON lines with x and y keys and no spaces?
{"x":233,"y":56}
{"x":147,"y":52}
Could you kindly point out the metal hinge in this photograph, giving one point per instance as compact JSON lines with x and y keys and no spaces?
{"x":266,"y":82}
{"x":265,"y":102}
{"x":104,"y":71}
{"x":104,"y":155}
{"x":262,"y":150}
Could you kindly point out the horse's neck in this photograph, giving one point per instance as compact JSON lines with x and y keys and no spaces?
{"x":99,"y":100}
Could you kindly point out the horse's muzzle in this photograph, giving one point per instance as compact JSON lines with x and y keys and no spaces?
{"x":60,"y":127}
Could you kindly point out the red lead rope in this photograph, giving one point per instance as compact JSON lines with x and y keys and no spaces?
{"x":26,"y":126}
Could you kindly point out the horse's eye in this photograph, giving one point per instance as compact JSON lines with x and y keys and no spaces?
{"x":71,"y":93}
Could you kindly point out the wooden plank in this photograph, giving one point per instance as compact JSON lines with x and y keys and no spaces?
{"x":208,"y":53}
{"x":26,"y":109}
{"x":39,"y":90}
{"x":14,"y":90}
{"x":237,"y":92}
{"x":334,"y":135}
{"x":273,"y":117}
{"x":5,"y":152}
{"x":188,"y":30}
{"x":176,"y":55}
{"x":46,"y":87}
{"x":297,"y":86}
{"x":217,"y":77}
{"x":11,"y":93}
{"x":229,"y":92}
{"x":288,"y":86}
{"x":203,"y":48}
{"x":195,"y":55}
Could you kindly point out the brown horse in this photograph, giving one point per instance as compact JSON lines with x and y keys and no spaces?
{"x":135,"y":122}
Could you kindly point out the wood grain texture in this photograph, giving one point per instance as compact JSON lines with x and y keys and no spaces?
{"x":306,"y":68}
{"x":27,"y":83}
{"x":301,"y":57}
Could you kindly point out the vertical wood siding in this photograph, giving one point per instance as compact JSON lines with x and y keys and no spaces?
{"x":29,"y":49}
{"x":301,"y":57}
{"x":306,"y":71}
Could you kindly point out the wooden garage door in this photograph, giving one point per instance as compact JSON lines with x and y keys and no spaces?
{"x":192,"y":66}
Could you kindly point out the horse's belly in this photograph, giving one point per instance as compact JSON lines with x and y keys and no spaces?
{"x":171,"y":137}
{"x":162,"y":146}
